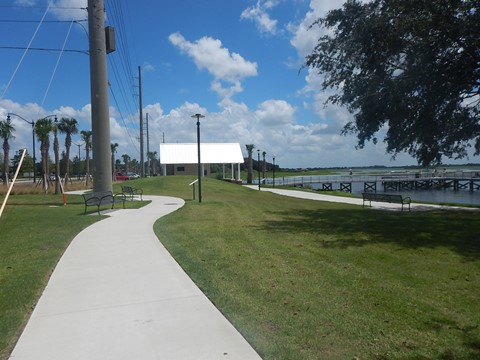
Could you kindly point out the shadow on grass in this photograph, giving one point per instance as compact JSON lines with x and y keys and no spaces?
{"x":455,"y":230}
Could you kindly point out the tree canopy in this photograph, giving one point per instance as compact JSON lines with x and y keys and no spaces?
{"x":410,"y":67}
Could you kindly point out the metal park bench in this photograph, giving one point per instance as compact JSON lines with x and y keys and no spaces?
{"x":389,"y":198}
{"x":103,"y":198}
{"x":131,"y":192}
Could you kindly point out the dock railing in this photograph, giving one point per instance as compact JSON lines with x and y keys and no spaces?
{"x":347,"y":178}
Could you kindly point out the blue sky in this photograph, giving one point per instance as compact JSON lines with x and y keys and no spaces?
{"x":238,"y":62}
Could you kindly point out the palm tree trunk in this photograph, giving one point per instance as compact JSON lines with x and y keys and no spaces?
{"x":67,"y":165}
{"x":6,"y":149}
{"x":250,"y":168}
{"x":45,"y":167}
{"x":87,"y":164}
{"x":56,"y":150}
{"x":250,"y":148}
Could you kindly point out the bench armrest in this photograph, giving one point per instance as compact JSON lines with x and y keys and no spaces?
{"x":121,"y":195}
{"x":93,"y":200}
{"x":108,"y":198}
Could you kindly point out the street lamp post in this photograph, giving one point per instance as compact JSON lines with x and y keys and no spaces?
{"x":78,"y":170}
{"x":258,"y":164}
{"x":33,"y":137}
{"x":198,"y":116}
{"x":273,"y":170}
{"x":33,"y":140}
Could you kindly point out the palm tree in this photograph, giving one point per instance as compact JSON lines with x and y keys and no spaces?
{"x":87,"y":139}
{"x":43,"y":127}
{"x":134,"y":165}
{"x":56,"y":150}
{"x":154,"y":162}
{"x":250,"y":148}
{"x":6,"y":133}
{"x":68,"y":126}
{"x":152,"y":156}
{"x":113,"y":147}
{"x":126,"y":159}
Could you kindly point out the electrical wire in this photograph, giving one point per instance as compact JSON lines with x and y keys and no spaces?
{"x":43,"y":7}
{"x":121,"y":68}
{"x":120,"y":62}
{"x":37,"y":21}
{"x":123,"y":119}
{"x":25,"y":53}
{"x":85,"y":52}
{"x":56,"y":65}
{"x":118,"y":20}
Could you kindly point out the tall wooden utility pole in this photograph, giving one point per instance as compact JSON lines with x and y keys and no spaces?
{"x":142,"y":160}
{"x":148,"y":147}
{"x":102,"y":167}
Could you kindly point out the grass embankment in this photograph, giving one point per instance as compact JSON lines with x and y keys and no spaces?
{"x":300,"y":279}
{"x":311,"y":280}
{"x":35,"y":230}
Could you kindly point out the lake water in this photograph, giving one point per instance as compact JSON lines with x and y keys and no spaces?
{"x":462,"y":196}
{"x":436,"y":196}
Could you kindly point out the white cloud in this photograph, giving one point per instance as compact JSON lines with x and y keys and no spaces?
{"x":275,"y":113}
{"x":208,"y":53}
{"x":306,"y":37}
{"x":272,"y":127}
{"x":69,"y":9}
{"x":147,"y":67}
{"x":25,"y":2}
{"x":260,"y":17}
{"x":226,"y":92}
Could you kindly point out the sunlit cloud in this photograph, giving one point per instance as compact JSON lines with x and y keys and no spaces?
{"x":259,"y":15}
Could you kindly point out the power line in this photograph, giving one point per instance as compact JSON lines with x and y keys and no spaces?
{"x":43,"y":7}
{"x":37,"y":21}
{"x":56,"y":65}
{"x":86,"y":52}
{"x":118,"y":20}
{"x":25,"y":53}
{"x":121,"y":86}
{"x":123,"y":119}
{"x":121,"y":67}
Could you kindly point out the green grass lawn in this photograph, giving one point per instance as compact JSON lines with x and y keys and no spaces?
{"x":300,"y":279}
{"x":310,"y":280}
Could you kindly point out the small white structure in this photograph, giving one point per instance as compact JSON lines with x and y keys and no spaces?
{"x":182,"y":159}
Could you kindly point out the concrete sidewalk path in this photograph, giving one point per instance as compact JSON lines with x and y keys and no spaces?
{"x":118,"y":294}
{"x":357,"y":201}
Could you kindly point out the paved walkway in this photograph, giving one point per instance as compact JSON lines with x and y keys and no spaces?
{"x":355,"y":201}
{"x":118,"y":294}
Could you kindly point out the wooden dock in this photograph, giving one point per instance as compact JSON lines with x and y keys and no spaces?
{"x":389,"y":182}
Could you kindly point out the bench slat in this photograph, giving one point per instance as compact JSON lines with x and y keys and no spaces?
{"x":131,"y":192}
{"x":390,"y":198}
{"x":102,"y":198}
